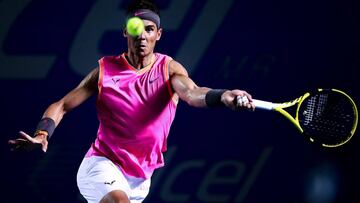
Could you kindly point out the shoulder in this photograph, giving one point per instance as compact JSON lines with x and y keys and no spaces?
{"x":108,"y":57}
{"x":176,"y":68}
{"x":163,"y":58}
{"x":116,"y":61}
{"x":113,"y":58}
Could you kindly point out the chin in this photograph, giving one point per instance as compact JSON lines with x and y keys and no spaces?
{"x":142,"y":53}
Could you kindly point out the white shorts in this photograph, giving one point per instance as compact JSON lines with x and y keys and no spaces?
{"x":98,"y":176}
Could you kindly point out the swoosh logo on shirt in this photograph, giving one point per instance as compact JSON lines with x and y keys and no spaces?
{"x":153,"y":79}
{"x":115,"y":80}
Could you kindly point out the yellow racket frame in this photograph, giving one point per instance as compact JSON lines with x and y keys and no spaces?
{"x":280,"y":108}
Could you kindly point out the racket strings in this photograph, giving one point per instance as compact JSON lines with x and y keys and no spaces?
{"x":309,"y":113}
{"x":327,"y":118}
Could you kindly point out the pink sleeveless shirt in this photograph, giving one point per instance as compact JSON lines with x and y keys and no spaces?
{"x":135,"y":111}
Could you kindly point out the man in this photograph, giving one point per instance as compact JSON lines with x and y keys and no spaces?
{"x":137,"y":95}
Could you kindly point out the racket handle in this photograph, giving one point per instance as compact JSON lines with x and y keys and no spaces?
{"x":259,"y":104}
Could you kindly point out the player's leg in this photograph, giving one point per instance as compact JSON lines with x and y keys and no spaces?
{"x":140,"y":188}
{"x":100,"y":180}
{"x":116,"y":196}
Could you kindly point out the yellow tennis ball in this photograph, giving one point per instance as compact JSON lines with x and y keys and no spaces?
{"x":134,"y":26}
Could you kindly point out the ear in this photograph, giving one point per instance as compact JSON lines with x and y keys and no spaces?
{"x":159,"y":33}
{"x":125,"y":34}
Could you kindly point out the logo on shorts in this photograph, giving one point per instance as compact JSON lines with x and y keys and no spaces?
{"x":109,"y":183}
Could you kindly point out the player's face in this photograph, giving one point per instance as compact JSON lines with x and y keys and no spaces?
{"x":144,"y":44}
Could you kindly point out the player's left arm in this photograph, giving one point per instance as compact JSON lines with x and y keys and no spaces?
{"x":196,"y":96}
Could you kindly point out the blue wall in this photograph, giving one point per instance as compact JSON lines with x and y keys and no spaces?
{"x":274,"y":49}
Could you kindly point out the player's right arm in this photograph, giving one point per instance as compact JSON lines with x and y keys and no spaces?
{"x":56,"y":111}
{"x":74,"y":98}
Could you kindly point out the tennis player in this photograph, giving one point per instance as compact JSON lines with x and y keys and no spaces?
{"x":137,"y":94}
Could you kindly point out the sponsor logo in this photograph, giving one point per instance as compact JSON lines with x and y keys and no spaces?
{"x":109,"y":183}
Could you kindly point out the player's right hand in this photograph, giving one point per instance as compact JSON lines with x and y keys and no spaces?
{"x":28,"y":143}
{"x":237,"y":100}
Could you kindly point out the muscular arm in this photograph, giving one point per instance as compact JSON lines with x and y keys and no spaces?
{"x":186,"y":89}
{"x":74,"y":98}
{"x":194,"y":95}
{"x":56,"y":111}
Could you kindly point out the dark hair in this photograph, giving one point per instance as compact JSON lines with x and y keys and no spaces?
{"x":142,"y":4}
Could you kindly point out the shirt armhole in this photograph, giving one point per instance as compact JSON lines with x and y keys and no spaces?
{"x":101,"y":75}
{"x":171,"y":91}
{"x":167,"y":76}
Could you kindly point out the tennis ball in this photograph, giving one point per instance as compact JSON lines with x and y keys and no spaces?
{"x":134,"y":26}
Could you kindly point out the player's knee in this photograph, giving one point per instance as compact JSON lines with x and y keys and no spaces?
{"x":116,"y":196}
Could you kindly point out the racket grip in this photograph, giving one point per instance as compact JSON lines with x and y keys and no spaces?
{"x":259,"y":104}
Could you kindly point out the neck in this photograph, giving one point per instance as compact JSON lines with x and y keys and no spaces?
{"x":139,"y":62}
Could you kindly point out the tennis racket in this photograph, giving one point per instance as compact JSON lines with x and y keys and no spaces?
{"x":327,"y":117}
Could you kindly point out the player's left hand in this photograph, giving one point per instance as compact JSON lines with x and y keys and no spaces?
{"x":237,"y":100}
{"x":28,"y":143}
